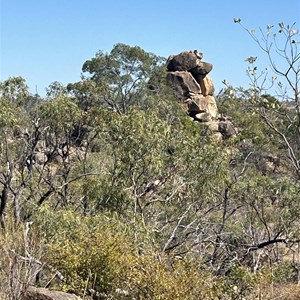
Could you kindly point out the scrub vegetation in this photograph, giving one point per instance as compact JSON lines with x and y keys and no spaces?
{"x":110,"y":191}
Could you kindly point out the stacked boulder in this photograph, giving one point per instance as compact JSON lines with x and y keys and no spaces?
{"x":188,"y":77}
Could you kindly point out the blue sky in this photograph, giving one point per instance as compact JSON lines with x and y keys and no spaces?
{"x":49,"y":40}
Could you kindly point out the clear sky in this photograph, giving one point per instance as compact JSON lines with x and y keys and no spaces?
{"x":49,"y":40}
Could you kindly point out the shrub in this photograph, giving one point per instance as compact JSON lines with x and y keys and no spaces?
{"x":101,"y":254}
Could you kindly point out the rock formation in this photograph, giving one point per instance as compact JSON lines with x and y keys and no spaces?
{"x":45,"y":294}
{"x":188,"y":77}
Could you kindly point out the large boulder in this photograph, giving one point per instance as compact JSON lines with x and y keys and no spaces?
{"x":183,"y":83}
{"x":209,"y":85}
{"x":202,"y":68}
{"x":189,"y":61}
{"x":199,"y":104}
{"x":187,"y":74}
{"x":203,"y":117}
{"x":45,"y":294}
{"x":227,"y":129}
{"x":184,"y":61}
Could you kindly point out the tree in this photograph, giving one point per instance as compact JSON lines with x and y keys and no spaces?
{"x":15,"y":90}
{"x":10,"y":117}
{"x":59,"y":118}
{"x":87,"y":94}
{"x":266,"y":189}
{"x":56,"y":89}
{"x":122,"y":75}
{"x":280,"y":44}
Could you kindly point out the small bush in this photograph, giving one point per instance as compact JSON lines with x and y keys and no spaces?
{"x":103,"y":255}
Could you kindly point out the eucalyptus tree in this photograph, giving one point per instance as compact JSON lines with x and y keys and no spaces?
{"x":122,"y":75}
{"x":14,"y":94}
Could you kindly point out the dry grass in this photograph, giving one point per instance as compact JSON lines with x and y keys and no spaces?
{"x":18,"y":263}
{"x":285,"y":292}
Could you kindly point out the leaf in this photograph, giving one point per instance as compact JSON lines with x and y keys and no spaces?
{"x":293,"y":32}
{"x":251,"y":59}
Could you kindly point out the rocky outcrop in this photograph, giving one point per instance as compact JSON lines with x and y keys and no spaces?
{"x":188,"y":77}
{"x":183,"y":84}
{"x":45,"y":294}
{"x":202,"y":104}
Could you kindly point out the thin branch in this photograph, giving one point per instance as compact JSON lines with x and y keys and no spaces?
{"x":172,"y":236}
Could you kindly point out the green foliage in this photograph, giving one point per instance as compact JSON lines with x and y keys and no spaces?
{"x":123,"y":61}
{"x":114,"y":264}
{"x":60,"y":114}
{"x":13,"y":94}
{"x":87,"y":93}
{"x":122,"y":75}
{"x":136,"y":147}
{"x":238,"y":104}
{"x":15,"y":90}
{"x":55,"y":90}
{"x":8,"y":114}
{"x":286,"y":272}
